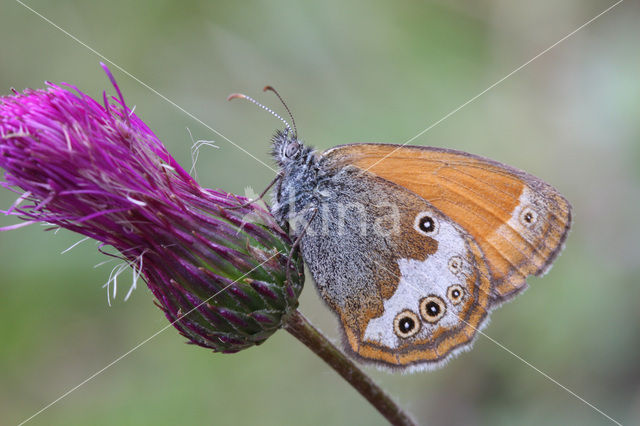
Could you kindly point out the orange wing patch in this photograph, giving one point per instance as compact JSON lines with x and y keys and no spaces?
{"x":519,"y":222}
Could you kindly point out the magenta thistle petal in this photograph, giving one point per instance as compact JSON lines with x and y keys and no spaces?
{"x":217,"y":273}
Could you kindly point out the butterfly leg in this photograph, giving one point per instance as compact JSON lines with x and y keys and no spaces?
{"x":262,"y":194}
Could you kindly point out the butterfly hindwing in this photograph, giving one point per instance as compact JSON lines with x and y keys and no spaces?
{"x":409,"y":285}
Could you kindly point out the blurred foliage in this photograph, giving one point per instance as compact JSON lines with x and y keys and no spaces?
{"x":350,"y":71}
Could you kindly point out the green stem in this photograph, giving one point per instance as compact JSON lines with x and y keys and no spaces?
{"x":302,"y":330}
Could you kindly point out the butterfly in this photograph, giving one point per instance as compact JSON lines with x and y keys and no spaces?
{"x":410,"y":246}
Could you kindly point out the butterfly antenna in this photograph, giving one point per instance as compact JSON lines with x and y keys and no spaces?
{"x":293,"y":121}
{"x":269,"y":110}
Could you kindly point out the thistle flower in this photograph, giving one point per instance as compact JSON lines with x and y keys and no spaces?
{"x":217,"y":273}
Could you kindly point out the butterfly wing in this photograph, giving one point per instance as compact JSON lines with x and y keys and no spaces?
{"x":409,"y":285}
{"x":519,"y":222}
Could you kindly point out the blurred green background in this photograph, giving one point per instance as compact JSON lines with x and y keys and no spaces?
{"x":350,"y":71}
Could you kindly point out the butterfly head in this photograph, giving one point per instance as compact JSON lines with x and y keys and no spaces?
{"x":286,"y":148}
{"x":297,"y":176}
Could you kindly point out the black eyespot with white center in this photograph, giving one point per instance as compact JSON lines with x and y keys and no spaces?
{"x":455,"y":293}
{"x":426,"y":224}
{"x":432,"y":309}
{"x":291,"y":150}
{"x":406,"y":324}
{"x":528,"y":217}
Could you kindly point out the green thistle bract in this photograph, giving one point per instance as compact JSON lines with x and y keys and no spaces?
{"x":217,"y":273}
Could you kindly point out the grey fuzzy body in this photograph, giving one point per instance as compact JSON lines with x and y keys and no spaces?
{"x":313,"y":188}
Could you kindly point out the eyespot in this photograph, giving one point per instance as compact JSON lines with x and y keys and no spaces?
{"x":528,"y":217}
{"x":455,"y":293}
{"x":291,"y":149}
{"x":432,"y":308}
{"x":426,"y":224}
{"x":455,"y":265}
{"x":406,"y":324}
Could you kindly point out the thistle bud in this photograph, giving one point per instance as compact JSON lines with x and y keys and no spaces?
{"x":217,"y":271}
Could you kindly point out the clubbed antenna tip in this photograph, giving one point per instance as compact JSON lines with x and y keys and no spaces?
{"x":236,"y":96}
{"x":293,"y":121}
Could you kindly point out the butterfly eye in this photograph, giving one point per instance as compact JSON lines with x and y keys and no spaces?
{"x":426,"y":224}
{"x":528,"y":217}
{"x":291,"y":149}
{"x":455,"y":265}
{"x":455,"y":294}
{"x":406,"y":324}
{"x":432,"y":308}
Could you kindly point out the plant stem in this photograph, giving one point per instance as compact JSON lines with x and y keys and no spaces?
{"x":302,"y":330}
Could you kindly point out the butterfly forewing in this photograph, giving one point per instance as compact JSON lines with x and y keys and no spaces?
{"x":519,"y":222}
